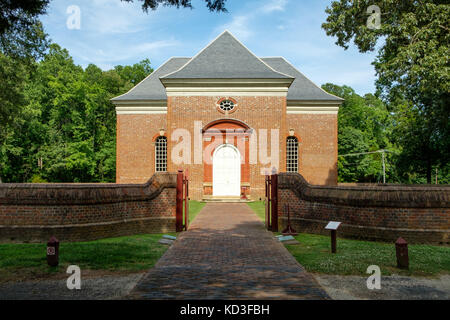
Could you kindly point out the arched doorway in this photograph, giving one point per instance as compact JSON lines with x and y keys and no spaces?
{"x":226,"y":171}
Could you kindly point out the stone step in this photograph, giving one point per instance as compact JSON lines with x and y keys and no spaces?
{"x":225,"y":199}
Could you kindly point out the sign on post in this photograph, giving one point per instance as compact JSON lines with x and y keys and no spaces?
{"x":333,"y":226}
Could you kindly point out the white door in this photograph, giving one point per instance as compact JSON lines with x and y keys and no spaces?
{"x":226,"y":171}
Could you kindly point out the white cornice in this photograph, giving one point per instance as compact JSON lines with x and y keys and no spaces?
{"x":146,"y":103}
{"x":313,"y":110}
{"x":227,"y":87}
{"x":285,"y":83}
{"x":141,"y":107}
{"x":313,"y":106}
{"x":227,"y":91}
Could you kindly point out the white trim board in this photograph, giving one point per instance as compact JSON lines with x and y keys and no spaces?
{"x":227,"y":91}
{"x":141,"y":109}
{"x":312,"y":110}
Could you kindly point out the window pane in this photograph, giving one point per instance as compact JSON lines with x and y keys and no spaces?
{"x":161,"y":154}
{"x":292,"y":154}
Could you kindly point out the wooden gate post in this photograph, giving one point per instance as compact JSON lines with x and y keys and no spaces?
{"x":179,"y":204}
{"x":274,"y":200}
{"x":186,"y":202}
{"x":267,"y":204}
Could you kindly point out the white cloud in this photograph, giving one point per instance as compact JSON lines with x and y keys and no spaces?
{"x":116,"y":32}
{"x":113,"y":17}
{"x":240,"y":25}
{"x":274,"y":5}
{"x":112,"y":54}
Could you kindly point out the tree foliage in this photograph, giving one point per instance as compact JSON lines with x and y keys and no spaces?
{"x":364,"y":125}
{"x":19,"y":50}
{"x":68,"y":122}
{"x":212,"y":5}
{"x":412,"y":65}
{"x":20,"y":14}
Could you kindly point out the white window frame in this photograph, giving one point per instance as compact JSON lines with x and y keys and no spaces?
{"x":292,"y":154}
{"x":161,"y":155}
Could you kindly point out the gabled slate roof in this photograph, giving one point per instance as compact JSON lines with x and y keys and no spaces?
{"x":302,"y":88}
{"x":226,"y":58}
{"x":151,"y":87}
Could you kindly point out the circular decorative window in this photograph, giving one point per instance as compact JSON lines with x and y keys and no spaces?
{"x":226,"y":105}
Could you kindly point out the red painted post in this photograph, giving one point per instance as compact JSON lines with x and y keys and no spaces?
{"x":274,"y":191}
{"x":179,"y":205}
{"x":401,"y":248}
{"x":186,"y":203}
{"x":53,"y":252}
{"x":268,"y":226}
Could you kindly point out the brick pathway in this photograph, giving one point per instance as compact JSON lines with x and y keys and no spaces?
{"x":227,"y":254}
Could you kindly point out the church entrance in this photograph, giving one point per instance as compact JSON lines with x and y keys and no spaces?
{"x":226,"y":171}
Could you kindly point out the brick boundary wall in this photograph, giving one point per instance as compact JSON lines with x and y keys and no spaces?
{"x":420,"y":214}
{"x":83,"y":212}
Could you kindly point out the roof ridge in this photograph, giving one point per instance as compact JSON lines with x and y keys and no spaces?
{"x":244,"y":47}
{"x":256,"y":55}
{"x":154,"y":71}
{"x":310,"y":79}
{"x":197,"y":54}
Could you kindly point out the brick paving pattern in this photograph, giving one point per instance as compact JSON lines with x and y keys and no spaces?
{"x":227,"y":254}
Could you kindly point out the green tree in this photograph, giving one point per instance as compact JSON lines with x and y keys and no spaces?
{"x":135,"y":73}
{"x":67,"y":124}
{"x":412,"y":65}
{"x":20,"y":14}
{"x":19,"y":50}
{"x":364,"y":125}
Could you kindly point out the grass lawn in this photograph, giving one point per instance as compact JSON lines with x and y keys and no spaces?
{"x":117,"y":255}
{"x":194,"y":208}
{"x":259,"y":208}
{"x":123,"y":254}
{"x":354,"y":256}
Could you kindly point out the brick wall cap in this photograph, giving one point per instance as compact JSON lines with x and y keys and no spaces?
{"x":368,"y":196}
{"x":79,"y":193}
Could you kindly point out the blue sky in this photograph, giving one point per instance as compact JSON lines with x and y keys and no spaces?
{"x":114,"y":32}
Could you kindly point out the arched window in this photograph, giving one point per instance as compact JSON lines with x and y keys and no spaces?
{"x":292,"y":154}
{"x":161,"y":154}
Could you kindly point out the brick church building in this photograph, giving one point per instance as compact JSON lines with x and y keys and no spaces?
{"x":221,"y":115}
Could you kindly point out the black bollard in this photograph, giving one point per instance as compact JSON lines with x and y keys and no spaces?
{"x":53,"y":252}
{"x":401,"y":248}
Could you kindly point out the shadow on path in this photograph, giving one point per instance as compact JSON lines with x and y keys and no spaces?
{"x":227,"y":254}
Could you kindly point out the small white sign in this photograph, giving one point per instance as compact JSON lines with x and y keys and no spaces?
{"x":333,"y":225}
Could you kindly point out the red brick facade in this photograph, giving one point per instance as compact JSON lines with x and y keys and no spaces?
{"x":318,"y":148}
{"x":135,"y":155}
{"x":317,"y":135}
{"x":256,"y":103}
